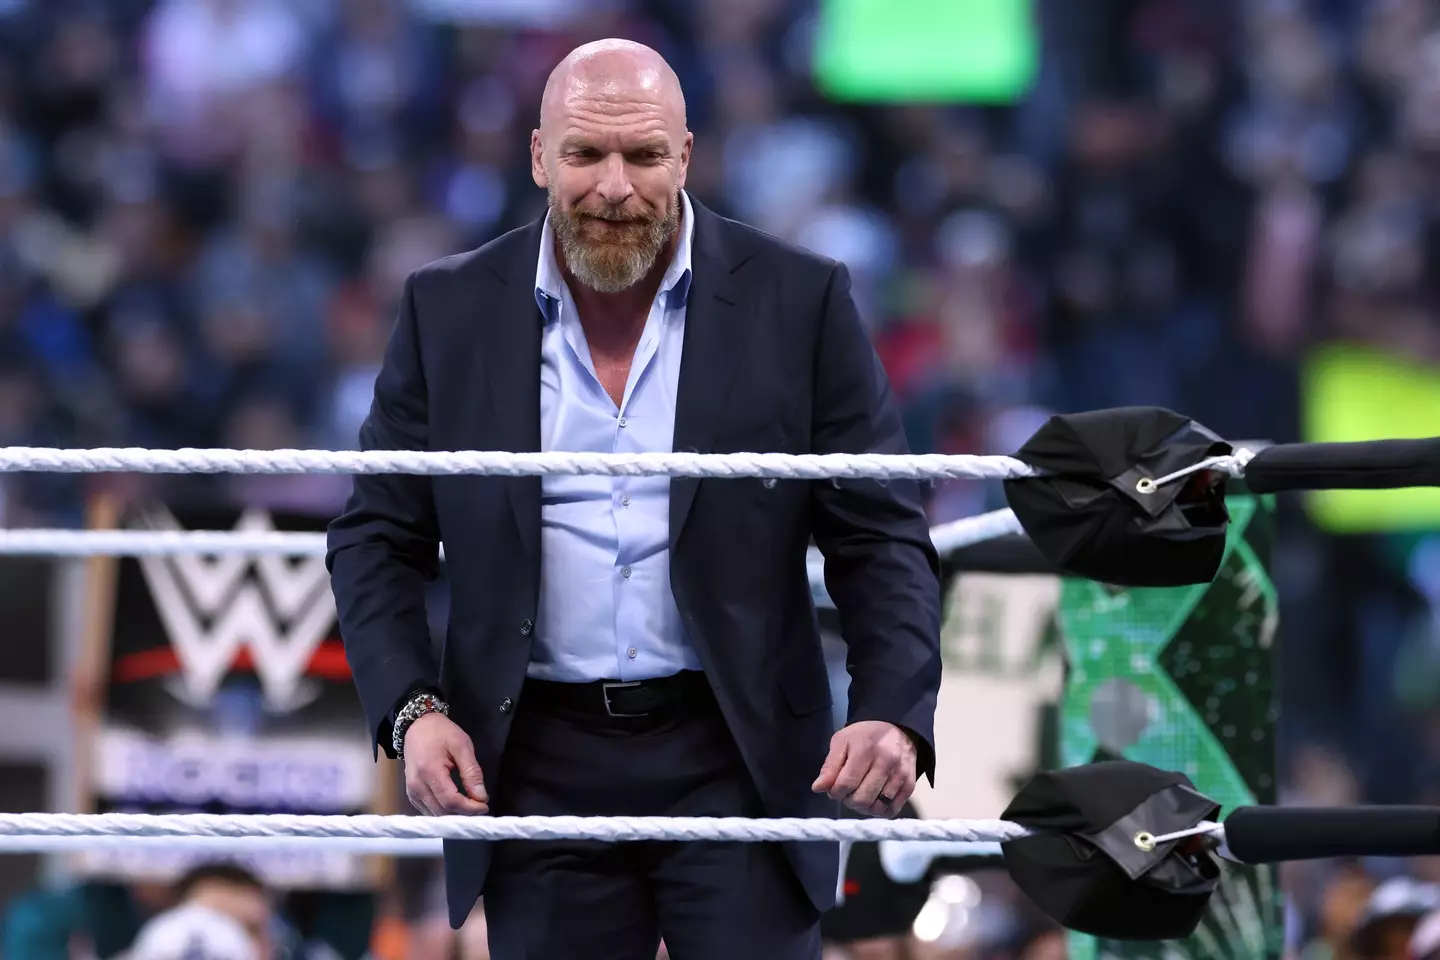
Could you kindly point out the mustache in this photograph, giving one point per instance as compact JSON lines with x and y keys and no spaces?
{"x":618,"y":215}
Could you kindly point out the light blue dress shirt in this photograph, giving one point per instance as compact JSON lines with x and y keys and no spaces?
{"x":606,"y":608}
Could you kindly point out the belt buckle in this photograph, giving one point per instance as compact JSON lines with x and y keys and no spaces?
{"x":605,"y":689}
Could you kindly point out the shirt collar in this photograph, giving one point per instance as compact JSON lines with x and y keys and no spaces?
{"x":550,"y":282}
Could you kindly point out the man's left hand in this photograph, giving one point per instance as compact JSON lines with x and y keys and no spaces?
{"x":871,"y":768}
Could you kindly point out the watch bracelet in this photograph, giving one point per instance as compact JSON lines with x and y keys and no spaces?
{"x":415,"y":708}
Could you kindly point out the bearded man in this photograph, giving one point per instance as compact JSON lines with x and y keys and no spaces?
{"x":637,"y":645}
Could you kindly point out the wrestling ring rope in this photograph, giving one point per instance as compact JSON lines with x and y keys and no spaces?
{"x":782,"y":466}
{"x":219,"y":543}
{"x":1148,"y":487}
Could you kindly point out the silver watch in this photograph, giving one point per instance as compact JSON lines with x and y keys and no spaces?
{"x":415,"y":708}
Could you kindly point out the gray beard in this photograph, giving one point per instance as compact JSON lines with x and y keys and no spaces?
{"x":612,"y":267}
{"x":609,"y":271}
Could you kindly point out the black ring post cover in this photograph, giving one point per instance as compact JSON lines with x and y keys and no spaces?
{"x":1084,"y":868}
{"x":1089,"y":514}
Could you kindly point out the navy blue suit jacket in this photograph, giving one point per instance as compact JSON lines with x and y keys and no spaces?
{"x":775,"y":359}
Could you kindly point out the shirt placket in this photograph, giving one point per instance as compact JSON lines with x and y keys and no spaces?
{"x":623,"y":490}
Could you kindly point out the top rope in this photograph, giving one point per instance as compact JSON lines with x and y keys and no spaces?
{"x":782,"y":466}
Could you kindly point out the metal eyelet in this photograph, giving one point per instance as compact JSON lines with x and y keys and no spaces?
{"x":1145,"y":485}
{"x":1145,"y":841}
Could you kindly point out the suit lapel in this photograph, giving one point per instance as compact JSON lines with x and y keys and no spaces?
{"x":714,"y":338}
{"x":512,"y":323}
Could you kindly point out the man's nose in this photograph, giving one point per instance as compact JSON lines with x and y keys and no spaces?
{"x":615,"y":186}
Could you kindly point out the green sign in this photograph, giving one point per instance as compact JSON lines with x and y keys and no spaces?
{"x":1182,"y":679}
{"x":907,"y":51}
{"x":1351,"y":392}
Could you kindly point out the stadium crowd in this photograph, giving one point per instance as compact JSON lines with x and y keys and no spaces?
{"x":208,"y":207}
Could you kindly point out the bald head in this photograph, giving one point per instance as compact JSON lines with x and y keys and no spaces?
{"x":612,"y":69}
{"x":612,"y":150}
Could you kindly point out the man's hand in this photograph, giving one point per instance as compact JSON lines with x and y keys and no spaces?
{"x":871,"y":768}
{"x":436,"y":748}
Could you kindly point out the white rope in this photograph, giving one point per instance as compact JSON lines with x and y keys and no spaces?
{"x":908,"y":862}
{"x":1234,"y":465}
{"x":153,"y":543}
{"x":387,"y":847}
{"x":614,"y":829}
{"x":903,"y":861}
{"x":216,"y":543}
{"x":951,"y":536}
{"x":1206,"y":828}
{"x":785,"y":466}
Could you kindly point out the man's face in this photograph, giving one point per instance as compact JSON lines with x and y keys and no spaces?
{"x":612,"y":156}
{"x":249,"y":907}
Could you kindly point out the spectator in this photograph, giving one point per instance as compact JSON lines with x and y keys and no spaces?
{"x":221,"y":911}
{"x":195,"y":931}
{"x":1391,"y":917}
{"x":1425,"y":941}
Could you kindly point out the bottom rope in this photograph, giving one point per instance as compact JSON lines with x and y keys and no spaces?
{"x":615,"y":829}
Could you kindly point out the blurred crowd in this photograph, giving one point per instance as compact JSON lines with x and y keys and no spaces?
{"x":208,"y":207}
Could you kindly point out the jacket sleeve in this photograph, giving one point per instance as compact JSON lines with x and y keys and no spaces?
{"x":385,"y":546}
{"x":880,"y":567}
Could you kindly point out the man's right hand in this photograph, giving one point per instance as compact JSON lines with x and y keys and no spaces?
{"x":435,"y":747}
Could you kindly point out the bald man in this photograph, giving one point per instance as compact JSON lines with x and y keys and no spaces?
{"x":637,"y":645}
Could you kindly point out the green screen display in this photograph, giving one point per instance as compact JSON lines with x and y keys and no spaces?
{"x":1179,"y":678}
{"x":1350,"y":392}
{"x":909,"y":51}
{"x":1182,"y":679}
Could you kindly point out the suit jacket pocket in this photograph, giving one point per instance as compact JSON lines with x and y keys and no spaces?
{"x":767,"y":437}
{"x":805,"y":692}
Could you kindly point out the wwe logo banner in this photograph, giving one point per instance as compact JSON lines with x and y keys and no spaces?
{"x":228,"y":692}
{"x":276,"y":611}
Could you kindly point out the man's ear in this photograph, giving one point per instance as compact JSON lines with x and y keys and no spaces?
{"x":685,"y":150}
{"x":537,"y":161}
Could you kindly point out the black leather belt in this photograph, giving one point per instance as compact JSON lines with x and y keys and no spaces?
{"x":623,"y":698}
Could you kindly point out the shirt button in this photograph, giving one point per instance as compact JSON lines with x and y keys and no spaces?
{"x":506,"y":705}
{"x":631,"y":653}
{"x":622,"y":421}
{"x":624,"y":501}
{"x":526,"y":626}
{"x":625,"y":572}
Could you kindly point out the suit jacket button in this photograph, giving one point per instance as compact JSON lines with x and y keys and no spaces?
{"x":526,"y":626}
{"x":506,"y":705}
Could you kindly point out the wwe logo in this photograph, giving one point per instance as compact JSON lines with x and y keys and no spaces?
{"x":215,"y":607}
